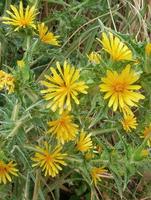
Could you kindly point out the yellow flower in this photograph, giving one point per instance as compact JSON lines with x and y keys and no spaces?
{"x":129,"y":122}
{"x":49,"y":160}
{"x":20,"y":18}
{"x":46,"y":36}
{"x":97,"y":173}
{"x":21,"y":64}
{"x":115,"y":47}
{"x":84,"y":142}
{"x":94,"y":57}
{"x":63,"y":128}
{"x":144,"y":152}
{"x":89,"y":155}
{"x":147,"y":134}
{"x":62,"y":87}
{"x":7,"y":81}
{"x":119,"y":88}
{"x":6,"y":170}
{"x":148,"y":49}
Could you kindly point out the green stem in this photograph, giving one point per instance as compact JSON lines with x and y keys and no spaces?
{"x":37,"y":186}
{"x":97,"y":132}
{"x":27,"y":53}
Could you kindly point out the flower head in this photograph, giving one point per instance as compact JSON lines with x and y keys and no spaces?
{"x":6,"y":170}
{"x":97,"y":173}
{"x":148,"y":49}
{"x":94,"y":57}
{"x":46,"y":36}
{"x":119,"y":88}
{"x":21,"y":64}
{"x":147,"y":134}
{"x":63,"y":86}
{"x":63,"y":128}
{"x":20,"y":18}
{"x":129,"y":122}
{"x":84,"y":142}
{"x":144,"y":153}
{"x":49,"y":160}
{"x":115,"y":47}
{"x":7,"y":81}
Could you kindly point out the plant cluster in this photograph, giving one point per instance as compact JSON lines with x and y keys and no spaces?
{"x":74,"y":122}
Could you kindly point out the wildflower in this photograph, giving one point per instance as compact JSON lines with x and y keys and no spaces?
{"x":63,"y":128}
{"x":148,"y":49}
{"x":6,"y":170}
{"x":21,"y":64}
{"x":94,"y":57}
{"x":89,"y":155}
{"x":84,"y":142}
{"x":147,"y":134}
{"x":49,"y":160}
{"x":115,"y":47}
{"x":144,"y":152}
{"x":20,"y":18}
{"x":97,"y":173}
{"x":119,"y":88}
{"x":7,"y":81}
{"x":129,"y":122}
{"x":46,"y":36}
{"x":63,"y":86}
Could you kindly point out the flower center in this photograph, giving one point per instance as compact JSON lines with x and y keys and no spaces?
{"x":23,"y":22}
{"x":49,"y":158}
{"x":2,"y":170}
{"x":120,"y":87}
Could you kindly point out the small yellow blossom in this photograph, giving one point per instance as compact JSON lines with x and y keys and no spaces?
{"x":97,"y":173}
{"x":20,"y":18}
{"x":46,"y":36}
{"x":148,"y":49}
{"x":119,"y":88}
{"x":94,"y":57}
{"x":84,"y":142}
{"x":7,"y":82}
{"x":115,"y":47}
{"x":6,"y":170}
{"x":89,"y":155}
{"x":62,"y":87}
{"x":145,"y":152}
{"x":21,"y":64}
{"x":147,"y":134}
{"x":129,"y":122}
{"x":49,"y":160}
{"x":63,"y":128}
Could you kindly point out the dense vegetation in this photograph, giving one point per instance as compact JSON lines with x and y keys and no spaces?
{"x":75,"y":100}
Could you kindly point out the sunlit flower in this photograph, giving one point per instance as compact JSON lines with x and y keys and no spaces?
{"x":119,"y":88}
{"x":46,"y":36}
{"x":148,"y":49}
{"x":94,"y":57}
{"x":6,"y":170}
{"x":49,"y":160}
{"x":7,"y":81}
{"x":147,"y":134}
{"x":84,"y":143}
{"x":97,"y":173}
{"x":63,"y":128}
{"x":62,"y":87}
{"x":20,"y":18}
{"x":115,"y":47}
{"x":129,"y":122}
